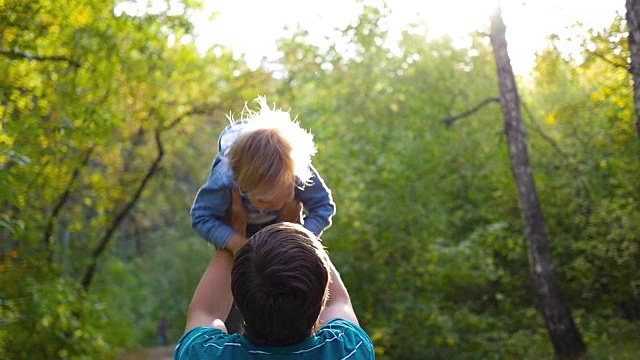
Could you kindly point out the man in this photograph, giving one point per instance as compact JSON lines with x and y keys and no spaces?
{"x":291,"y":296}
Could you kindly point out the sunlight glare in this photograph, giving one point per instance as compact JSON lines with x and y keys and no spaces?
{"x":251,"y":28}
{"x":452,"y":18}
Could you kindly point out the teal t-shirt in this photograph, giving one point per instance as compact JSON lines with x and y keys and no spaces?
{"x":337,"y":339}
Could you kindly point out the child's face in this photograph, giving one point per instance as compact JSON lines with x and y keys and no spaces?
{"x":274,"y":199}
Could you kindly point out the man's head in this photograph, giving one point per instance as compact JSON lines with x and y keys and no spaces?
{"x":271,"y":157}
{"x":279,"y":282}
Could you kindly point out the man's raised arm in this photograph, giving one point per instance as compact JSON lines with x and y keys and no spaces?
{"x":339,"y":303}
{"x":212,"y":299}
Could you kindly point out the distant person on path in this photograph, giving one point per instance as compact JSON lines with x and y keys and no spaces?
{"x":163,"y":331}
{"x":291,"y":296}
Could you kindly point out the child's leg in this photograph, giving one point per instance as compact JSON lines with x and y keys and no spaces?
{"x":292,"y":212}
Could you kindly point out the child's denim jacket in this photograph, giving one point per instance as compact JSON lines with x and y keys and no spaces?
{"x":214,"y":198}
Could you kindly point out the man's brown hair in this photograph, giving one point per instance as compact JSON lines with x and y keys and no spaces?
{"x":280,"y":284}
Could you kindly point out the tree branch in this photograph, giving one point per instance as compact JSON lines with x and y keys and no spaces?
{"x":16,"y":54}
{"x":46,"y":239}
{"x":609,"y":61}
{"x":178,"y":120}
{"x":106,"y":238}
{"x":122,"y":214}
{"x":540,"y":132}
{"x":453,"y":119}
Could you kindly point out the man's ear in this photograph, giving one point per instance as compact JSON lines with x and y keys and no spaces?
{"x":219,"y":324}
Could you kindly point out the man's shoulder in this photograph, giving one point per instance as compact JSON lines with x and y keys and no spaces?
{"x":206,"y":341}
{"x":351,"y":339}
{"x":337,"y":339}
{"x":344,"y":326}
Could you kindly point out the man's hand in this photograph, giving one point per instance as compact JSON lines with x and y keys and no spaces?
{"x":292,"y":211}
{"x":237,"y":217}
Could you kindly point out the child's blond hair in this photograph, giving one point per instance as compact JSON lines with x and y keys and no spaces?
{"x":272,"y":152}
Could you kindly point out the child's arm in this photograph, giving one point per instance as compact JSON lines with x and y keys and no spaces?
{"x":318,"y":203}
{"x":209,"y":210}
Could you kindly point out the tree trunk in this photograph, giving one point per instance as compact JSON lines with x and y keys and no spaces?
{"x":633,"y":20}
{"x":563,"y":332}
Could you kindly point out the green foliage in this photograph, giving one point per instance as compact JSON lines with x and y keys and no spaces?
{"x":157,"y":283}
{"x":53,"y":320}
{"x":587,"y":123}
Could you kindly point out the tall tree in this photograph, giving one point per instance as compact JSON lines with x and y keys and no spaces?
{"x":564,"y":334}
{"x":633,"y":20}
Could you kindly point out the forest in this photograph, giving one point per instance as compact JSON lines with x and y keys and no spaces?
{"x":109,"y":124}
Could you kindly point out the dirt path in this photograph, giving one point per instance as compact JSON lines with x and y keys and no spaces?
{"x":159,"y":353}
